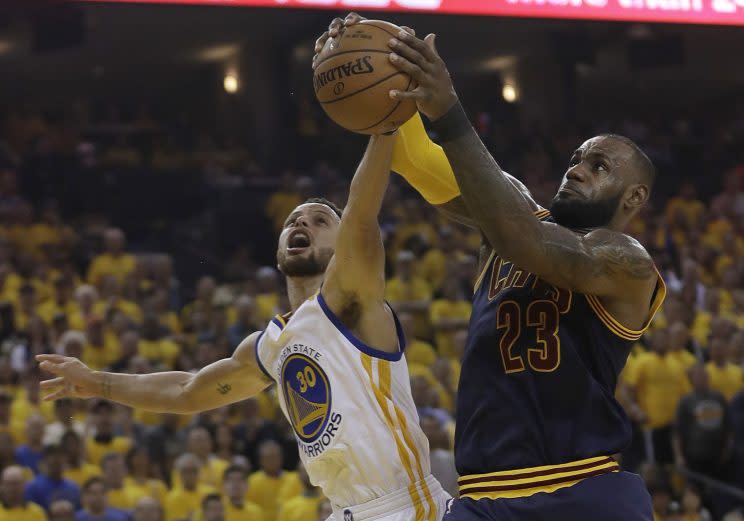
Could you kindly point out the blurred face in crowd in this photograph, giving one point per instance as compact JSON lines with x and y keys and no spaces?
{"x":660,"y":341}
{"x":200,"y":443}
{"x":718,"y":350}
{"x":54,"y":464}
{"x":63,"y":411}
{"x":94,"y":498}
{"x":113,"y":239}
{"x":678,"y":335}
{"x":404,"y":265}
{"x":270,"y":458}
{"x":691,"y":502}
{"x":189,"y":472}
{"x":246,"y":307}
{"x":114,"y":470}
{"x":147,"y":509}
{"x":213,"y":510}
{"x":235,"y":486}
{"x":86,"y":298}
{"x":138,"y":462}
{"x":604,"y":175}
{"x":73,"y":447}
{"x":205,"y":289}
{"x":27,"y":299}
{"x":129,"y":342}
{"x":308,"y":240}
{"x":699,"y":378}
{"x":35,"y":429}
{"x":104,"y":419}
{"x":7,"y":448}
{"x":94,"y":332}
{"x":61,"y":510}
{"x":63,"y":290}
{"x":13,"y":485}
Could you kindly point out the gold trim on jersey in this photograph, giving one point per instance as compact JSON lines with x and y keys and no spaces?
{"x":383,"y":370}
{"x":619,"y":329}
{"x":402,"y":452}
{"x":529,"y":481}
{"x":541,"y":214}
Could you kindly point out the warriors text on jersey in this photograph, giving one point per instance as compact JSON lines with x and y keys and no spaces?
{"x":350,"y":406}
{"x":537,"y":384}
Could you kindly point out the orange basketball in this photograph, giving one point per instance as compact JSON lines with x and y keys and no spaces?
{"x":354,"y":76}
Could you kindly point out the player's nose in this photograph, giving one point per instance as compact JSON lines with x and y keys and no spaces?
{"x":303,"y":221}
{"x":575,"y":174}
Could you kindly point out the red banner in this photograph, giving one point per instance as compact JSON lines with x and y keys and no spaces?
{"x":723,"y":12}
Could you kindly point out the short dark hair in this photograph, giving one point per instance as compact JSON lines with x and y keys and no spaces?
{"x":92,"y":481}
{"x":102,"y":404}
{"x":210,"y":497}
{"x":51,"y":450}
{"x":322,"y":200}
{"x":235,"y":468}
{"x":642,"y":162}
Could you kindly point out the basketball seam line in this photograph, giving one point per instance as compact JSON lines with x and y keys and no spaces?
{"x":362,"y":89}
{"x":353,"y":50}
{"x":380,"y":28}
{"x":386,"y":115}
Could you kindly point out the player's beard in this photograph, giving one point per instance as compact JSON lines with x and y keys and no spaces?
{"x":304,"y":266}
{"x":584,"y":213}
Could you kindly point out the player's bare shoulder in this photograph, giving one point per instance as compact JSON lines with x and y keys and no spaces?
{"x":245,"y":355}
{"x":620,"y":255}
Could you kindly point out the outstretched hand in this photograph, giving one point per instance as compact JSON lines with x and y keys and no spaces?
{"x":73,"y":379}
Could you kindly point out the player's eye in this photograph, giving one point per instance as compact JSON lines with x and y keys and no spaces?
{"x":599,"y":166}
{"x":321,"y":220}
{"x":575,"y":160}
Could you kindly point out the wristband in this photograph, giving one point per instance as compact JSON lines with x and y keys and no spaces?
{"x":453,"y":124}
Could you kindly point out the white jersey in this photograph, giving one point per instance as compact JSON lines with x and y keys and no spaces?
{"x":351,"y":408}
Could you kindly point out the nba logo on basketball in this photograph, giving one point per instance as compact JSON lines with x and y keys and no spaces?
{"x":348,"y":516}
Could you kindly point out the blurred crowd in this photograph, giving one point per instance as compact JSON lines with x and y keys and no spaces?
{"x":77,"y":280}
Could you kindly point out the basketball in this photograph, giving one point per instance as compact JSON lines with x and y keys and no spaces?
{"x":354,"y":76}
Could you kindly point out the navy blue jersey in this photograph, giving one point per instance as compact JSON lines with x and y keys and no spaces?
{"x":539,"y":374}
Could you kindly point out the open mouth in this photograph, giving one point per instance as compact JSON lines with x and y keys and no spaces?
{"x":298,"y":242}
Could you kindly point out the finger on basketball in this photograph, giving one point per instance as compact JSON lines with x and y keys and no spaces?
{"x":413,"y":70}
{"x":418,"y":44}
{"x":415,"y":94}
{"x":352,"y":18}
{"x":51,"y":384}
{"x":320,"y":42}
{"x":334,"y":27}
{"x":61,"y":393}
{"x":409,"y":30}
{"x":409,"y":53}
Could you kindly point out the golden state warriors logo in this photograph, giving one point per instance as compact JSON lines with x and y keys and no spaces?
{"x":307,"y":394}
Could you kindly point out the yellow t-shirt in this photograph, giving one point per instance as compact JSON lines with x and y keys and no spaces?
{"x":419,"y":352}
{"x":433,"y":267}
{"x":701,"y":327}
{"x":164,"y":350}
{"x":82,"y":473}
{"x":660,"y":382}
{"x":448,"y":309}
{"x":280,"y":205}
{"x":248,"y":512}
{"x":291,"y":487}
{"x":262,"y":490}
{"x":127,"y":307}
{"x":22,"y":409}
{"x":180,"y":503}
{"x":99,"y":357}
{"x":153,"y":488}
{"x":415,"y":289}
{"x":48,"y":309}
{"x":210,"y":475}
{"x":299,"y":508}
{"x":267,"y":305}
{"x":684,"y":357}
{"x":727,"y":380}
{"x":29,"y":512}
{"x":692,"y":210}
{"x":95,"y":451}
{"x":123,"y":498}
{"x":107,"y":264}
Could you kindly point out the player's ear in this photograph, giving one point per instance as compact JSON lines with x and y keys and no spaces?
{"x":636,"y":196}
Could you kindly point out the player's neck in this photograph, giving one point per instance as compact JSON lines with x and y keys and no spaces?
{"x":299,"y":289}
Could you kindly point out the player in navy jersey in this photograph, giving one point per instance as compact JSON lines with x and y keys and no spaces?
{"x":562,"y":296}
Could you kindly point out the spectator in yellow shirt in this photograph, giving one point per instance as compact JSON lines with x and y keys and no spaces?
{"x":283,"y":201}
{"x":76,"y":468}
{"x":139,"y":480}
{"x":235,"y":487}
{"x":679,"y":340}
{"x":408,"y":292}
{"x":86,"y":297}
{"x":26,"y":307}
{"x":114,"y":260}
{"x":267,"y":297}
{"x":8,"y":424}
{"x":264,"y":484}
{"x":211,"y":469}
{"x":112,"y":299}
{"x":448,"y":315}
{"x":99,"y":352}
{"x":303,"y":506}
{"x":96,"y":499}
{"x":154,"y":346}
{"x":13,"y":507}
{"x":685,"y":202}
{"x":657,"y":382}
{"x":212,"y":508}
{"x":725,"y":377}
{"x":61,"y":302}
{"x":114,"y":473}
{"x":417,"y":351}
{"x":104,"y":440}
{"x":63,"y":510}
{"x":185,"y":500}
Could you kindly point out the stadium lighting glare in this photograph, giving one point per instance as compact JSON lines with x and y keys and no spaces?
{"x":230,"y":83}
{"x":509,"y":92}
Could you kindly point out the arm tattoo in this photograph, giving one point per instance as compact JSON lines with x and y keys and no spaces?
{"x":223,"y":388}
{"x":106,"y":387}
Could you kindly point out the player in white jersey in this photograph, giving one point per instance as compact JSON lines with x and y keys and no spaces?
{"x":350,"y":403}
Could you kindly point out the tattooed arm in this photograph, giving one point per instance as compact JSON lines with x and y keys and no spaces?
{"x":216,"y":385}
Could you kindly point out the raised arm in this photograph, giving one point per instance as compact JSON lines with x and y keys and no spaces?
{"x":603,"y":262}
{"x":216,"y":385}
{"x":357,"y":271}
